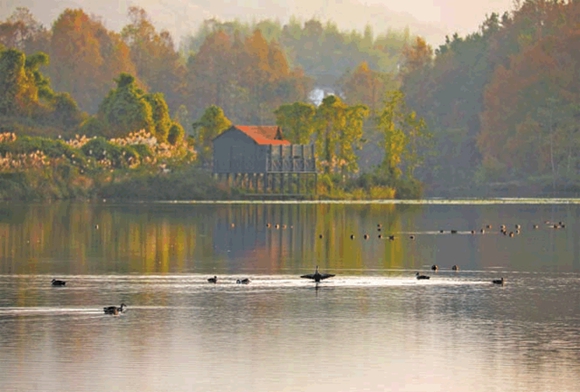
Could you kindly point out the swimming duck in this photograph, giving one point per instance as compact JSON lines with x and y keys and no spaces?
{"x":455,"y":267}
{"x":212,"y":280}
{"x":498,"y":281}
{"x":420,"y":277}
{"x":58,"y":282}
{"x":317,"y":276}
{"x":114,"y":310}
{"x":434,"y":267}
{"x":243,"y":281}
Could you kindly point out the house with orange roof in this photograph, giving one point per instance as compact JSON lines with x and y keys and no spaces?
{"x":259,"y":157}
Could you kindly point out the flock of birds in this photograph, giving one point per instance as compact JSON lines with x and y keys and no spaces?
{"x":318,"y":277}
{"x":502,"y":230}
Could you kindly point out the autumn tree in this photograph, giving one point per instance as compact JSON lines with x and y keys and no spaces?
{"x":365,"y":86}
{"x":530,"y":128}
{"x":157,"y":63}
{"x":23,"y":32}
{"x":85,"y":58}
{"x":210,"y":72}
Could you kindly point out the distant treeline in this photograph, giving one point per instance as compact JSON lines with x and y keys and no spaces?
{"x":501,"y":104}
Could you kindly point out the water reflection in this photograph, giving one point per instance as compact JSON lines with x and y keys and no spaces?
{"x":371,"y":327}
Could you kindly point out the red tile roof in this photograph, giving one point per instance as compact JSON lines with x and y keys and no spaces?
{"x":264,"y":135}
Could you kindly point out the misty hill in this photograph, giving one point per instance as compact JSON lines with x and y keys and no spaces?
{"x":183,"y":17}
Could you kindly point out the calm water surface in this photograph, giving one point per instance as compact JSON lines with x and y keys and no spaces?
{"x":373,"y":327}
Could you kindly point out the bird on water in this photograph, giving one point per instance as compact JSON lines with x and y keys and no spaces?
{"x":114,"y":310}
{"x":498,"y":281}
{"x":56,"y":282}
{"x":243,"y":281}
{"x":212,"y":280}
{"x":455,"y":267}
{"x":421,"y":277}
{"x":317,"y":276}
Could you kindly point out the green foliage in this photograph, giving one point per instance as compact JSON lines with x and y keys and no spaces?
{"x":405,"y":138}
{"x":160,"y":113}
{"x":118,"y":156}
{"x":18,"y":91}
{"x":92,"y":126}
{"x":176,"y":134}
{"x":25,"y":94}
{"x":125,"y":109}
{"x":296,"y":121}
{"x":65,"y":112}
{"x":211,"y":124}
{"x":338,"y":133}
{"x":187,"y":184}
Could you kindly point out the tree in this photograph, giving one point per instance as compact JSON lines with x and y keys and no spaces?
{"x":157,"y":63}
{"x":19,"y":92}
{"x":338,"y":132}
{"x":297,"y":121}
{"x":160,"y":114}
{"x":125,"y":109}
{"x":404,"y":136}
{"x":86,"y":57}
{"x":211,"y":124}
{"x":23,"y":32}
{"x":210,"y":72}
{"x":365,"y":86}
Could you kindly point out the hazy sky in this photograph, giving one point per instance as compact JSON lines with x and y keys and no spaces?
{"x":430,"y":18}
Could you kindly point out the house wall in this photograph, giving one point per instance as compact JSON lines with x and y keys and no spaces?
{"x":235,"y":152}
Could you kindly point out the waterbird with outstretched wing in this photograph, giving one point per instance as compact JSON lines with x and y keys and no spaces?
{"x":317,"y":276}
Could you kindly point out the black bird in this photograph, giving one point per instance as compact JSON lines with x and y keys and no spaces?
{"x":114,"y":310}
{"x":498,"y":281}
{"x":243,"y":281}
{"x":421,"y":277}
{"x":58,"y":282}
{"x":212,"y":280}
{"x":317,"y":276}
{"x":434,"y":267}
{"x":455,"y":267}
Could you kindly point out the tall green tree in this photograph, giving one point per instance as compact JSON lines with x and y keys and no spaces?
{"x":297,"y":121}
{"x":338,"y":132}
{"x":211,"y":124}
{"x":19,"y":93}
{"x":404,"y":140}
{"x":160,"y":114}
{"x":125,"y":109}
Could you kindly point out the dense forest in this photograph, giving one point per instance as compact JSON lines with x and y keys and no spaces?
{"x":492,"y":113}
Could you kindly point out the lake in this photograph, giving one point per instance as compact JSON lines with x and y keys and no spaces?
{"x":371,"y":327}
